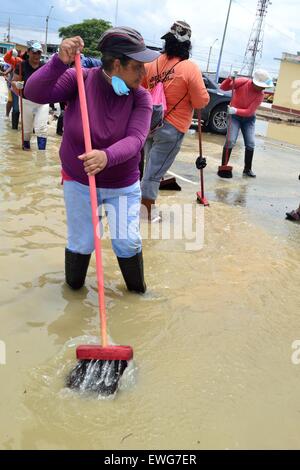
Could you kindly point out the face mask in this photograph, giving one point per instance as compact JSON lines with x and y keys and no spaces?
{"x":119,"y":86}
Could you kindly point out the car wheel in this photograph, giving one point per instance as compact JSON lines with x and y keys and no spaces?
{"x":218,"y":119}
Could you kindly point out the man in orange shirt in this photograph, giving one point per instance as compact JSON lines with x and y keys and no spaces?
{"x":184,"y":90}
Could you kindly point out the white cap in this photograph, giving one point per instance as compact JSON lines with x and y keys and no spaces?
{"x":34,"y":46}
{"x":262,"y":79}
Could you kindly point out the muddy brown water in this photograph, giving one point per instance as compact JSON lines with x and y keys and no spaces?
{"x":212,"y":337}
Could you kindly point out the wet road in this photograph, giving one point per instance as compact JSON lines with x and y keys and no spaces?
{"x":212,"y":337}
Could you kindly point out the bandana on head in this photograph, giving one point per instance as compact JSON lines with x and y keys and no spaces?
{"x":181,"y":31}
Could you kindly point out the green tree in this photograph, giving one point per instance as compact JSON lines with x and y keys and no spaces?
{"x":90,"y":31}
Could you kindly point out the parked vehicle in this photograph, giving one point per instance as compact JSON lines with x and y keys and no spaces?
{"x":269,"y":96}
{"x":214,"y":114}
{"x":2,"y":63}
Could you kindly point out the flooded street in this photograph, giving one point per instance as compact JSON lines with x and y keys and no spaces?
{"x":212,"y":337}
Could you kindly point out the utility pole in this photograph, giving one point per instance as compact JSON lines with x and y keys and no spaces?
{"x":223,"y":40}
{"x":46,"y":38}
{"x":8,"y":31}
{"x":116,"y":13}
{"x":209,"y":54}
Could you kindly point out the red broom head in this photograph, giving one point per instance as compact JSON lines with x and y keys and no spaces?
{"x":109,"y":353}
{"x":225,"y":168}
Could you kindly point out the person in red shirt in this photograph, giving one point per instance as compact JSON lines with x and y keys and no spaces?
{"x":13,"y":58}
{"x":247,"y":96}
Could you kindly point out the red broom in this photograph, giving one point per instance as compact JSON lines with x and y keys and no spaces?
{"x":100,"y":367}
{"x":201,"y":164}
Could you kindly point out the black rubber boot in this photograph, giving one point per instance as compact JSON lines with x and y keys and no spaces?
{"x":60,"y":124}
{"x":26,"y":145}
{"x":41,"y":143}
{"x":15,"y":120}
{"x":76,"y":266}
{"x":248,"y":163}
{"x":132,"y":270}
{"x":224,"y":155}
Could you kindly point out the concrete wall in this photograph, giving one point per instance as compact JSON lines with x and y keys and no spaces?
{"x":287,"y":93}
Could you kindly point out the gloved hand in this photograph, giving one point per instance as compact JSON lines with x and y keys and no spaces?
{"x":14,"y":53}
{"x":231,"y":110}
{"x":201,"y":163}
{"x":19,"y":85}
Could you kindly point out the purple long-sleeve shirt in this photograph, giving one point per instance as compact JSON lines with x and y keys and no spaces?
{"x":119,"y":124}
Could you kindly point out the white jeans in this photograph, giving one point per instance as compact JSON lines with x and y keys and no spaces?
{"x":35,"y":116}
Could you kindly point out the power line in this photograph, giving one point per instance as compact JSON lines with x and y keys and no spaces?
{"x":266,"y":22}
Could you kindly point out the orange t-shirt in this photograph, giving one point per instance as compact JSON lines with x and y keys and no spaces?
{"x":184,"y":88}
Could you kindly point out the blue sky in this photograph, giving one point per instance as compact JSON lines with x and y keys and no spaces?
{"x":153,"y":17}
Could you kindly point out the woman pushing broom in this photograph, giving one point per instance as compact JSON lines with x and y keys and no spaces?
{"x":106,"y":124}
{"x":119,"y":113}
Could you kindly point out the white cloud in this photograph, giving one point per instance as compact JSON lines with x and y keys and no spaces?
{"x":71,"y":6}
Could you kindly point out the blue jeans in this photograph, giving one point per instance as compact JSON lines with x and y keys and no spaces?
{"x":160,"y":152}
{"x":247,"y":126}
{"x":122,"y":209}
{"x":15,"y":100}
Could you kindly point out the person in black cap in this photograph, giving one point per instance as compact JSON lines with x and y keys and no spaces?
{"x":119,"y":113}
{"x":34,"y":115}
{"x":184,"y":90}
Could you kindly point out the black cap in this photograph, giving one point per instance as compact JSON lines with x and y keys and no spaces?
{"x":127,"y":41}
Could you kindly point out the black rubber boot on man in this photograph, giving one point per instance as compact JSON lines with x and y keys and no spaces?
{"x":26,"y":145}
{"x":15,"y":120}
{"x":132,"y":270}
{"x":248,"y":163}
{"x":76,"y":266}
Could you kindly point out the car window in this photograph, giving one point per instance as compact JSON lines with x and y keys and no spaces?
{"x":206,"y":83}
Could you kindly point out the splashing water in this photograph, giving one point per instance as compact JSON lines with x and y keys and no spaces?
{"x":101,"y":377}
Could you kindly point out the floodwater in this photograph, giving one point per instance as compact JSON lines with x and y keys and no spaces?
{"x":212,"y":337}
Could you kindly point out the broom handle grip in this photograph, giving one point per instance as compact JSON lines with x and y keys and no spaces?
{"x":94,"y":201}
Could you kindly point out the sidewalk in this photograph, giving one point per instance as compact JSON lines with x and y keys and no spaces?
{"x":266,"y":112}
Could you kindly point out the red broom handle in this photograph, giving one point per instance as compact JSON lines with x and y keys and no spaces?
{"x":21,"y":108}
{"x":200,"y":152}
{"x":94,"y":202}
{"x":229,"y":123}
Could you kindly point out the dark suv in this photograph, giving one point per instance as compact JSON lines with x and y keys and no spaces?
{"x":214,"y":114}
